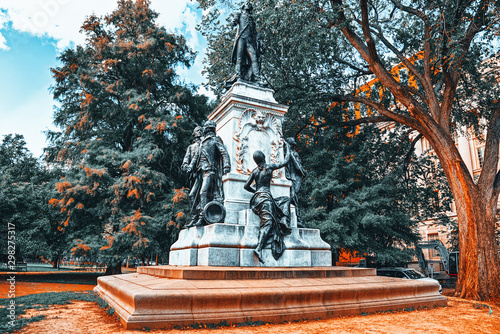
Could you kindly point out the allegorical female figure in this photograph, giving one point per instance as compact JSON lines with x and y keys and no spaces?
{"x":274,"y":213}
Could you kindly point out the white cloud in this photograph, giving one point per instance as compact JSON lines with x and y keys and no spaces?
{"x":62,"y":19}
{"x":3,"y":43}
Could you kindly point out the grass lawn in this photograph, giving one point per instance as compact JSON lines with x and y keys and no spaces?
{"x":37,"y":301}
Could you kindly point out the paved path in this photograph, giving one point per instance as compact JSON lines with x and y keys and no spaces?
{"x":29,"y":288}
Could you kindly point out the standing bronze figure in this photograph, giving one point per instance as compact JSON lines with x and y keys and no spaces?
{"x":274,"y":213}
{"x":211,"y":162}
{"x":194,"y":176}
{"x":295,"y":172}
{"x":247,"y":47}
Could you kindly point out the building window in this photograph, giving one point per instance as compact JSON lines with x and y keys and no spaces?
{"x":432,"y":252}
{"x":480,"y":156}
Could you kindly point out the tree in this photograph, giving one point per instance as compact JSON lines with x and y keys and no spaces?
{"x":323,"y":50}
{"x":25,"y":188}
{"x":125,"y":122}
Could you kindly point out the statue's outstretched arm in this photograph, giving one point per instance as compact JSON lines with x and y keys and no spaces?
{"x":285,"y":162}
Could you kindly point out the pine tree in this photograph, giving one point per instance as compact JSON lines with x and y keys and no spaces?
{"x":125,"y":122}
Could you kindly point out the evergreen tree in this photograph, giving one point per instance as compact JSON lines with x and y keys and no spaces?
{"x":25,"y":188}
{"x":319,"y":50}
{"x":125,"y":122}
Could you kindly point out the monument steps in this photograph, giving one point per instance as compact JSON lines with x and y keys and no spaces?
{"x":170,"y":296}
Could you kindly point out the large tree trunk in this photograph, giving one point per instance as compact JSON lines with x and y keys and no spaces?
{"x":479,"y":267}
{"x":113,"y":269}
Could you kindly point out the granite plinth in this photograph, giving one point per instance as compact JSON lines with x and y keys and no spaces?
{"x":181,"y":296}
{"x":232,"y":245}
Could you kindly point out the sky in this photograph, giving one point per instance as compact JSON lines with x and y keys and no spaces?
{"x":34,"y":32}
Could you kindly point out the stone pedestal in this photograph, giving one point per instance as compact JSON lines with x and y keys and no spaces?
{"x":249,"y":119}
{"x":232,"y":245}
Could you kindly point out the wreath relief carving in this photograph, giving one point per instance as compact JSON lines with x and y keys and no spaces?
{"x":257,"y":130}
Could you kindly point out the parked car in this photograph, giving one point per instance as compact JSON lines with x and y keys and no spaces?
{"x":405,"y":273}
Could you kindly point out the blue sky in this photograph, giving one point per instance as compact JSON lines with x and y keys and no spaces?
{"x":34,"y":32}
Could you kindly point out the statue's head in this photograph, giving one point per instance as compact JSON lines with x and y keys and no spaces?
{"x":291,"y":141}
{"x":247,"y":6}
{"x":197,"y":132}
{"x":259,"y":157}
{"x":209,"y":127}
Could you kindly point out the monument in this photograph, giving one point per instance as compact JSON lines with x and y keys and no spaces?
{"x":247,"y":255}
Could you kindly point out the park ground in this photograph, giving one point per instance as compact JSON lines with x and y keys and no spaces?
{"x":62,"y":302}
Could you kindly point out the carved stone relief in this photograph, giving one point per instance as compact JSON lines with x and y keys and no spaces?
{"x":257,"y":130}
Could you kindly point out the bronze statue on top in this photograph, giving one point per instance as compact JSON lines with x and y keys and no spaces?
{"x":274,"y":213}
{"x":210,"y":162}
{"x":248,"y":47}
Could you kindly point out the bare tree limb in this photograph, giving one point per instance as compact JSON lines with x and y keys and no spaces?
{"x":410,"y":10}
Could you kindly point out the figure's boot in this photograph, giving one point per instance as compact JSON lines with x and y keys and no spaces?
{"x":260,"y":243}
{"x":258,"y":252}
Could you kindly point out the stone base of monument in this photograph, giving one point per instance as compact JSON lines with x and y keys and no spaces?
{"x":232,"y":245}
{"x":170,"y":296}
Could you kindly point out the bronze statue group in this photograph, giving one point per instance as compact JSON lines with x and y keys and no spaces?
{"x":206,"y":161}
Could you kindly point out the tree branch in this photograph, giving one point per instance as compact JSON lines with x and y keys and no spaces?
{"x":452,"y":83}
{"x":491,"y":153}
{"x":366,"y":31}
{"x":365,"y":120}
{"x":410,"y":10}
{"x":427,"y":85}
{"x":354,"y":67}
{"x":408,"y":121}
{"x":379,"y":69}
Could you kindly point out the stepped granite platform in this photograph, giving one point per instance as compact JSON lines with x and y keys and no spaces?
{"x":168,"y":296}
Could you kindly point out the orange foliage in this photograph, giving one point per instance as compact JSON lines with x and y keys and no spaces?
{"x":179,"y":215}
{"x":180,"y":194}
{"x":162,"y":126}
{"x":80,"y":246}
{"x":71,"y":200}
{"x":141,"y":118}
{"x":62,"y":186}
{"x":148,"y":127}
{"x":79,"y":206}
{"x":148,"y":72}
{"x":66,"y":222}
{"x":126,"y":165}
{"x":134,"y":192}
{"x":132,"y":179}
{"x":110,"y":242}
{"x":55,"y":201}
{"x":169,"y":46}
{"x":89,"y":98}
{"x":90,"y":171}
